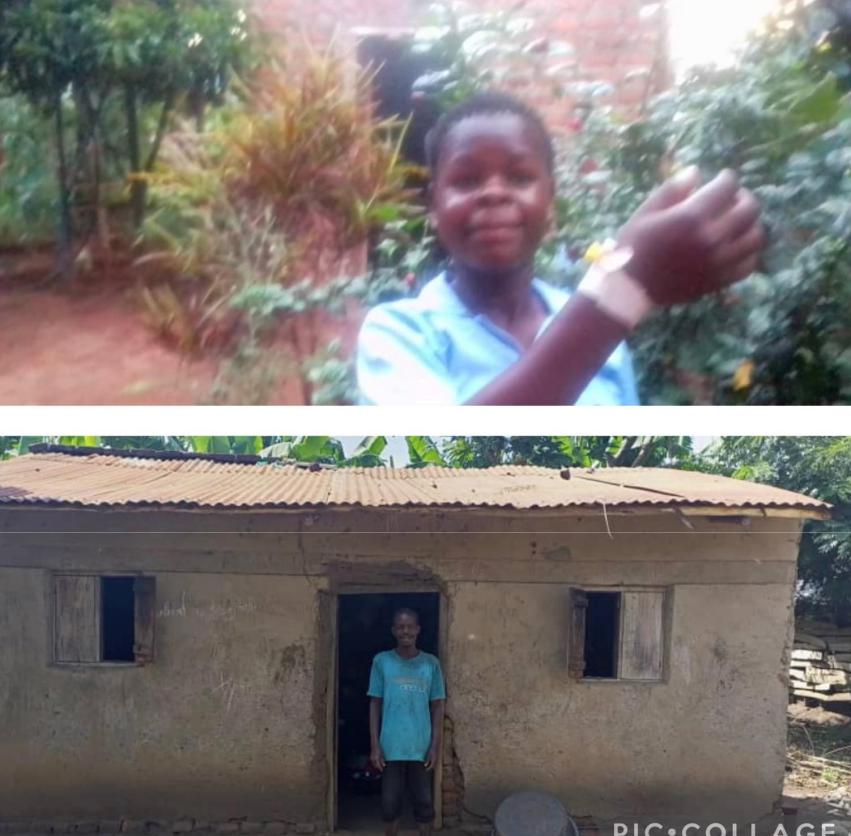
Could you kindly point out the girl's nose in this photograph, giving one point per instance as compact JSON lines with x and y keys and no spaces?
{"x":494,"y":189}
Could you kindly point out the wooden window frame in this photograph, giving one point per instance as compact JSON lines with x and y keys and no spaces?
{"x":89,"y":648}
{"x":577,"y":606}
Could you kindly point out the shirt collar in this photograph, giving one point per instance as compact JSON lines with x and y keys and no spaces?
{"x":438,"y":295}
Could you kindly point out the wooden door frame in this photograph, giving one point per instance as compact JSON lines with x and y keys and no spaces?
{"x":332,"y":703}
{"x":331,"y":713}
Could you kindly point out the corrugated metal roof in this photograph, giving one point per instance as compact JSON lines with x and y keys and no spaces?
{"x":98,"y":479}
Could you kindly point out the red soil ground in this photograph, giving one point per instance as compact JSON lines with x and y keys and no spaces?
{"x":88,"y":344}
{"x":89,"y":348}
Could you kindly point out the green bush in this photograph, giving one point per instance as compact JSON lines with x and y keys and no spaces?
{"x":107,"y":77}
{"x":28,"y":196}
{"x":250,"y":217}
{"x":782,"y":120}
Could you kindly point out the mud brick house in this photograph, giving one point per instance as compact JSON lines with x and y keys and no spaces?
{"x":185,"y":640}
{"x":622,"y":42}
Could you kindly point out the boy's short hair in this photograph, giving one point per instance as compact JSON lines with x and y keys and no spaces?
{"x":485,"y":103}
{"x":406,"y":611}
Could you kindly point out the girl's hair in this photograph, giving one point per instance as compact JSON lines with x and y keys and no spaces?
{"x":486,"y":103}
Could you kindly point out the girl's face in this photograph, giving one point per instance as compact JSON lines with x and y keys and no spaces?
{"x":492,"y":198}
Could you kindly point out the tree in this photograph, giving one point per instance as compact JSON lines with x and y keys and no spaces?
{"x":820,"y":467}
{"x":314,"y":449}
{"x":109,"y":74}
{"x":570,"y":451}
{"x":455,"y":451}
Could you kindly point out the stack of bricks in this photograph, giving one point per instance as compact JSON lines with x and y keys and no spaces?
{"x":623,"y":43}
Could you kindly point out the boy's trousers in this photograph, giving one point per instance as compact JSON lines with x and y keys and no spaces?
{"x":411,"y":774}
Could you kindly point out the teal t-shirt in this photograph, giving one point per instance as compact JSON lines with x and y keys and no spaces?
{"x":406,"y":686}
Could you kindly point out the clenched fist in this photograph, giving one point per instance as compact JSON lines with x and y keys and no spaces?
{"x":689,"y":240}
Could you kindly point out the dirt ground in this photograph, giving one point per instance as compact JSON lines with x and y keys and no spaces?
{"x":88,"y":344}
{"x":84,"y":341}
{"x":89,"y":348}
{"x":818,"y":765}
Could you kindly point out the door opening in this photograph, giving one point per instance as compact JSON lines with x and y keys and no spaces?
{"x":396,"y":68}
{"x":363,"y":624}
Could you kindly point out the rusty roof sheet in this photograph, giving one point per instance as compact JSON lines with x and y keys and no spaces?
{"x":98,"y":479}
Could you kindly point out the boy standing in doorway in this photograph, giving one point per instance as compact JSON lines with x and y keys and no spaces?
{"x":407,"y":696}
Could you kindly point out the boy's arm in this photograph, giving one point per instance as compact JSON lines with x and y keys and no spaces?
{"x":437,"y":708}
{"x":376,"y":756}
{"x":685,"y":244}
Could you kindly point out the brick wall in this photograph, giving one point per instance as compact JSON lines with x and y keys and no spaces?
{"x":622,"y":42}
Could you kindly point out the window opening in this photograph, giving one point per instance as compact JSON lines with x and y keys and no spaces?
{"x":602,"y":619}
{"x":103,"y":618}
{"x":118,"y":619}
{"x":617,"y":634}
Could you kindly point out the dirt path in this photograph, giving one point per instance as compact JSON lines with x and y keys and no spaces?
{"x":89,"y":347}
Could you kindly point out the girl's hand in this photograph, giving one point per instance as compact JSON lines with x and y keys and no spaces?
{"x":689,"y":240}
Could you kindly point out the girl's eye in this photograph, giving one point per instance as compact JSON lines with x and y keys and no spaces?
{"x":466,"y":181}
{"x":522,"y":177}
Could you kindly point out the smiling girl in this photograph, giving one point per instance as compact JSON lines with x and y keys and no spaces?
{"x":487,"y":331}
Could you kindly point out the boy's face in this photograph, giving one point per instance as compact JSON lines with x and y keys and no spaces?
{"x":492,"y":198}
{"x":405,"y":630}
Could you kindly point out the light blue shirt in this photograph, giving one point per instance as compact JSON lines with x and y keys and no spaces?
{"x":433,"y":350}
{"x":406,"y":688}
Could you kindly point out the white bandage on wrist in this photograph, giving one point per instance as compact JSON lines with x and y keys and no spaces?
{"x":613,"y":291}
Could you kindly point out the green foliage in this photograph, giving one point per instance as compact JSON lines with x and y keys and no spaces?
{"x":570,"y":451}
{"x":331,"y":377}
{"x":323,"y":449}
{"x":780,"y":117}
{"x":18,"y":445}
{"x":422,"y":451}
{"x":306,"y":449}
{"x":253,"y":217}
{"x":474,"y":49}
{"x":98,"y":47}
{"x":454,"y":451}
{"x":107,"y":75}
{"x":220,"y":253}
{"x":27,"y":186}
{"x":820,"y":467}
{"x":327,"y":378}
{"x":307,"y":142}
{"x":405,"y":252}
{"x":370,"y":449}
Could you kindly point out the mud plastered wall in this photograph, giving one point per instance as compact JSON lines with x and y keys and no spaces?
{"x":231,"y":719}
{"x":520,"y":721}
{"x":222,"y":722}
